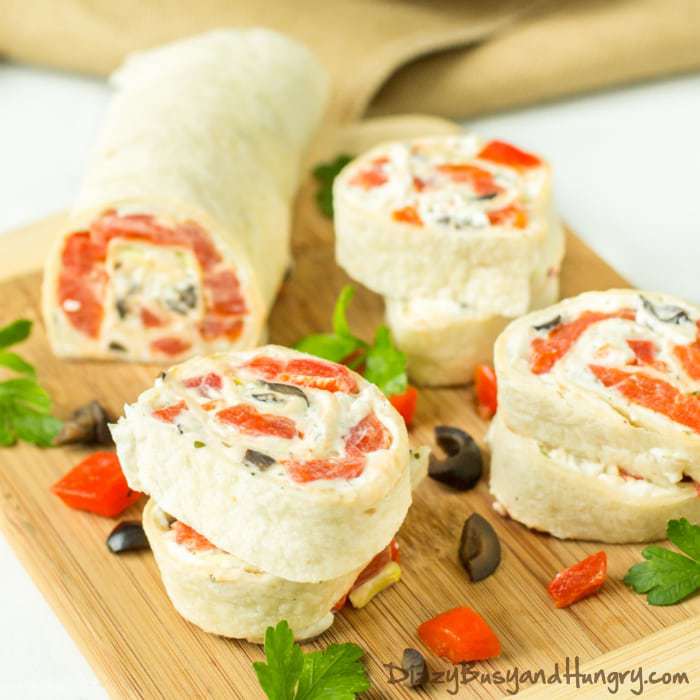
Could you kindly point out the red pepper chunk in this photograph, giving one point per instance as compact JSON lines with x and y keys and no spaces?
{"x":407,"y":215}
{"x":97,"y":485}
{"x":248,"y":420}
{"x":211,"y":381}
{"x":486,"y":390}
{"x":370,"y":178}
{"x":546,"y":352}
{"x":480,"y":180}
{"x":652,"y":393}
{"x":506,"y":154}
{"x":579,"y":581}
{"x":334,"y":468}
{"x":512,"y":215}
{"x":406,"y":403}
{"x":317,"y":374}
{"x":149,"y":319}
{"x":689,"y":355}
{"x":645,"y":352}
{"x":460,"y":635}
{"x":170,"y":413}
{"x":189,"y":538}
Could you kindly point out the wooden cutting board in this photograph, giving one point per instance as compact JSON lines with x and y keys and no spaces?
{"x":116,"y":608}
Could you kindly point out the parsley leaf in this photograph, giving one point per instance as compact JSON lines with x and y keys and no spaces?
{"x":333,"y":674}
{"x":325,"y":174}
{"x":668,"y":577}
{"x":385,"y":364}
{"x":25,"y":407}
{"x":285,"y":659}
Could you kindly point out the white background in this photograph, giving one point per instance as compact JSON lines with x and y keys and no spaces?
{"x":627,"y":179}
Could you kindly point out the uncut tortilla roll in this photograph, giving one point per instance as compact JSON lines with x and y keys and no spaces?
{"x":551,"y":490}
{"x":223,"y":595}
{"x":179,"y":238}
{"x":445,"y":217}
{"x":296,"y":465}
{"x":610,"y":377}
{"x":444,"y":341}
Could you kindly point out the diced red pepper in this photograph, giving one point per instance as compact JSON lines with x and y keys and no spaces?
{"x":369,"y":435}
{"x":407,"y":215}
{"x":169,"y":413}
{"x":512,"y":215}
{"x":486,"y":390}
{"x":652,"y":393}
{"x":481,"y":180}
{"x":546,"y":352}
{"x":248,"y":420}
{"x":190,"y":538}
{"x":332,"y":468}
{"x":689,"y":355}
{"x":579,"y":581}
{"x":460,"y":635}
{"x":405,"y":403}
{"x":645,"y":353}
{"x":207,"y":381}
{"x":507,"y":154}
{"x":149,"y":319}
{"x":96,"y":484}
{"x":315,"y":374}
{"x":370,"y":178}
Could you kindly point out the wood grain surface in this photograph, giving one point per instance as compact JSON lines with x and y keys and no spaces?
{"x":116,"y":608}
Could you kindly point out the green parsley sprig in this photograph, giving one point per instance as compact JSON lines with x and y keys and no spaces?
{"x":325,"y":174}
{"x":25,"y":407}
{"x":666,"y":576}
{"x":384,"y":364}
{"x":336,"y":673}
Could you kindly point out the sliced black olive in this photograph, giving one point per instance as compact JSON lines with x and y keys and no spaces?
{"x":258,"y":459}
{"x":114,"y":345}
{"x":121,"y":308}
{"x":463,"y":466}
{"x":287,"y":389}
{"x":128,"y":536}
{"x":186,"y":299}
{"x":87,"y":425}
{"x":548,"y":325}
{"x":666,"y":313}
{"x":479,"y":548}
{"x":488,"y":195}
{"x":414,"y":664}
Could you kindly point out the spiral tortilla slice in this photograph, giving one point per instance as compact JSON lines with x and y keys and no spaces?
{"x":550,"y":489}
{"x":444,"y":341}
{"x":452,"y":217}
{"x":295,"y":465}
{"x":179,"y":238}
{"x":610,"y":377}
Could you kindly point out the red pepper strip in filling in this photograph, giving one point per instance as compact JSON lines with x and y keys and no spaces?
{"x":248,"y":420}
{"x":96,"y":484}
{"x":211,"y":381}
{"x":149,"y":319}
{"x":82,"y":278}
{"x":689,"y":356}
{"x":406,"y":403}
{"x":480,"y":180}
{"x":486,"y":390}
{"x":546,"y":352}
{"x":388,"y":554}
{"x":315,"y":374}
{"x":369,"y":435}
{"x":506,"y":154}
{"x":655,"y":394}
{"x":371,"y":177}
{"x":170,"y":413}
{"x":460,"y":635}
{"x":645,"y":352}
{"x":189,"y":538}
{"x":579,"y":581}
{"x":170,"y":345}
{"x":407,"y":215}
{"x":512,"y":215}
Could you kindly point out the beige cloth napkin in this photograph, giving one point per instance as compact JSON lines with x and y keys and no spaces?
{"x":382,"y":54}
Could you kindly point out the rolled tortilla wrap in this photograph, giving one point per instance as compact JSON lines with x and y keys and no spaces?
{"x":179,"y":238}
{"x":611,"y":377}
{"x":451,"y":217}
{"x":551,"y":490}
{"x":296,"y":465}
